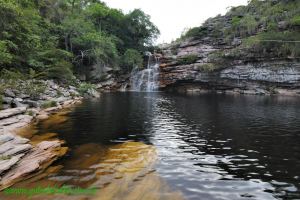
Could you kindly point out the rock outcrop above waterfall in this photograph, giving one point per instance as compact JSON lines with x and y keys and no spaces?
{"x":228,"y":53}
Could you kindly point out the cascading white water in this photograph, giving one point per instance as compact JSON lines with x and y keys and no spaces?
{"x":147,"y":79}
{"x":124,"y":87}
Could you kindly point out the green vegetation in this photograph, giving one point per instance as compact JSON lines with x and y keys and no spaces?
{"x":188,"y":59}
{"x":30,"y":112}
{"x":197,"y":32}
{"x":85,"y":87}
{"x":266,"y":28}
{"x":57,"y":39}
{"x":2,"y":157}
{"x":131,"y":59}
{"x":295,"y":21}
{"x":49,"y":104}
{"x":262,"y":43}
{"x":14,"y":80}
{"x":208,"y":67}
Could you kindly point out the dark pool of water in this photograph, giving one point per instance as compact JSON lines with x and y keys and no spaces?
{"x":209,"y":146}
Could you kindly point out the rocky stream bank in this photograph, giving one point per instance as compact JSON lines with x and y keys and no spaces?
{"x":22,"y":158}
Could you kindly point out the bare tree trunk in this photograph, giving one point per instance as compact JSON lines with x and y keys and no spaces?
{"x":73,"y":5}
{"x":66,"y":43}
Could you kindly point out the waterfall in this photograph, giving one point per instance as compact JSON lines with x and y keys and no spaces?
{"x":123,"y":87}
{"x":147,"y":79}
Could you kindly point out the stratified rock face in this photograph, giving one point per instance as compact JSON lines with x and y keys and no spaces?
{"x":193,"y":65}
{"x":11,"y":112}
{"x":287,"y":75}
{"x":20,"y":159}
{"x":31,"y":161}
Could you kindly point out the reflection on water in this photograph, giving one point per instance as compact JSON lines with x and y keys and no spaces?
{"x":207,"y":147}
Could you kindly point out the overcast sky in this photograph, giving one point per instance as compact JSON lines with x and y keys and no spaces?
{"x":173,"y":16}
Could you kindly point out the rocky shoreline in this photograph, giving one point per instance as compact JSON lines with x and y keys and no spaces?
{"x":21,"y":158}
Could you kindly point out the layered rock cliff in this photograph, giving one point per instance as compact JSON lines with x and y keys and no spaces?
{"x":193,"y":65}
{"x":246,"y":51}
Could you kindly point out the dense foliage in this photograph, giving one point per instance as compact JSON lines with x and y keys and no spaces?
{"x":55,"y":38}
{"x":269,"y":28}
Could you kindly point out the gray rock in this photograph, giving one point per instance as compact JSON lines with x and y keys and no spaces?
{"x":18,"y":149}
{"x":18,"y":99}
{"x":108,"y":69}
{"x":283,"y":24}
{"x":18,"y":104}
{"x":8,"y":121}
{"x":66,"y":93}
{"x":34,"y":162}
{"x":20,"y":140}
{"x":6,"y":164}
{"x":51,"y":93}
{"x":6,"y":106}
{"x":31,"y":103}
{"x":73,"y":92}
{"x":44,"y":97}
{"x":82,"y":77}
{"x":108,"y":82}
{"x":7,"y":100}
{"x":262,"y":73}
{"x":9,"y":93}
{"x":6,"y":147}
{"x":5,"y":138}
{"x":93,"y":93}
{"x":236,"y":42}
{"x":23,"y":120}
{"x":12,"y":112}
{"x":24,"y":96}
{"x":60,"y":100}
{"x":72,"y":87}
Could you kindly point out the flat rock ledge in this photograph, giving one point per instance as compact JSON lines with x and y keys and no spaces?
{"x":19,"y":159}
{"x":27,"y":161}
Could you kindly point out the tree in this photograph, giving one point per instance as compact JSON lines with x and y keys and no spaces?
{"x":46,"y":35}
{"x":141,"y":31}
{"x":131,"y":59}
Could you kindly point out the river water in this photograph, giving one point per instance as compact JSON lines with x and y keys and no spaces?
{"x":210,"y":146}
